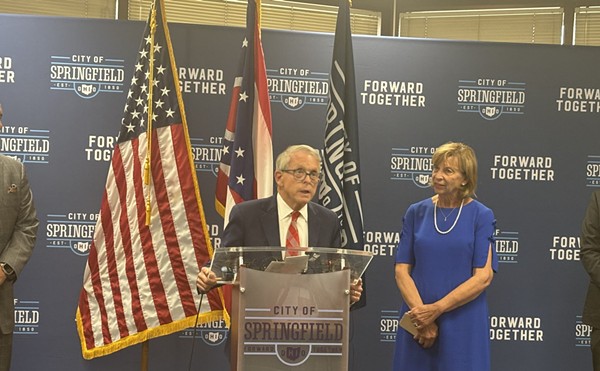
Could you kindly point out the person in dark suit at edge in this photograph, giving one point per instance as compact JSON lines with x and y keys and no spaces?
{"x":590,"y":257}
{"x":265,"y":222}
{"x":18,"y":231}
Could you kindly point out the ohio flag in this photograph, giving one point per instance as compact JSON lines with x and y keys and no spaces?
{"x":246,"y":168}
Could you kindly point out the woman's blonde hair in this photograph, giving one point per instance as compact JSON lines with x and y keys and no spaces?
{"x":467,"y":163}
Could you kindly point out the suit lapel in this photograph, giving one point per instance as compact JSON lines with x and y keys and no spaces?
{"x":313,"y":226}
{"x":270,"y":222}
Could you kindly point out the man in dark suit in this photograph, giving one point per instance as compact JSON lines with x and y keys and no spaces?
{"x":17,"y":237}
{"x":590,"y":257}
{"x":265,"y":222}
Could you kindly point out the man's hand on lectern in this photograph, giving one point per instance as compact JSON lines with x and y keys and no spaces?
{"x":355,"y":291}
{"x":206,"y":280}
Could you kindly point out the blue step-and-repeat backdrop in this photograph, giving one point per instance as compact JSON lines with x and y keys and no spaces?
{"x":531,"y":112}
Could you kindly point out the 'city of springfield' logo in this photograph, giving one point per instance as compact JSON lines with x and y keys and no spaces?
{"x":592,"y":171}
{"x":297,"y":87}
{"x":87,"y":75}
{"x":293,"y":333}
{"x":27,"y":317}
{"x":412,"y":164}
{"x":583,"y":333}
{"x":207,"y":156}
{"x":74,"y":231}
{"x":491,"y":97}
{"x":213,"y":333}
{"x":25,"y":144}
{"x":388,"y":325}
{"x":507,"y":246}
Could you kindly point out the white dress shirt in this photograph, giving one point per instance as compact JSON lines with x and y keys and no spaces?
{"x":284,"y":214}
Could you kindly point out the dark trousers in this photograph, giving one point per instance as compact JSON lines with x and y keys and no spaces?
{"x":5,"y":351}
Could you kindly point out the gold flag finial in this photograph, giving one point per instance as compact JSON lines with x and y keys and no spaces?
{"x":258,"y":13}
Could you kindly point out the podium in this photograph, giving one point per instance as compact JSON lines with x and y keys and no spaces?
{"x":289,"y":312}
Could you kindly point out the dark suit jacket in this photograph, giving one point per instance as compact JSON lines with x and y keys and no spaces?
{"x":590,"y":257}
{"x":256,"y":223}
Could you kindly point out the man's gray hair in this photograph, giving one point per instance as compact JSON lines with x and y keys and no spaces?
{"x":284,"y":157}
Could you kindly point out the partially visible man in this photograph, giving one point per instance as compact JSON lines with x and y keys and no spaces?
{"x":590,"y":257}
{"x":266,"y":222}
{"x":18,"y":228}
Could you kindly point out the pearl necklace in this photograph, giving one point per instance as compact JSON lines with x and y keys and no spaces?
{"x":455,"y":220}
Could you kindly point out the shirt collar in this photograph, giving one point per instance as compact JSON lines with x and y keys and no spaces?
{"x":284,"y":211}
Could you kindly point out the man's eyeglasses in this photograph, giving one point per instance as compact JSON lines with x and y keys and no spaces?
{"x":300,"y":174}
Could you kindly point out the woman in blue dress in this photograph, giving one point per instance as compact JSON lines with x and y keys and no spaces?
{"x":444,"y":262}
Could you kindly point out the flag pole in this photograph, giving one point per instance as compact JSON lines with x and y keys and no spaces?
{"x":146,"y":343}
{"x":150,"y":108}
{"x":145,"y":350}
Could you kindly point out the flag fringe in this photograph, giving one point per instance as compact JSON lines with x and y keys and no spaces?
{"x":220,"y":208}
{"x":145,"y":335}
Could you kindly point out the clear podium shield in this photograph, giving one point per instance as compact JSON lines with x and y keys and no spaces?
{"x":289,"y":311}
{"x":227,"y":261}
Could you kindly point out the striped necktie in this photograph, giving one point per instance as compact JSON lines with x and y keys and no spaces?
{"x":292,"y":238}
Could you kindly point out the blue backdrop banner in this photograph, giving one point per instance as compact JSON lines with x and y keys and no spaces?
{"x":531,"y":112}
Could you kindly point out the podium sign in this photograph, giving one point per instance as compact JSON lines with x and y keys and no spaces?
{"x":290,"y":320}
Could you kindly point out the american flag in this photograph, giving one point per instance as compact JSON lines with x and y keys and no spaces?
{"x":151,"y":237}
{"x":246,"y":168}
{"x":342,"y":189}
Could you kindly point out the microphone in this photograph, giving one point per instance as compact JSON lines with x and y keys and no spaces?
{"x":226,"y":274}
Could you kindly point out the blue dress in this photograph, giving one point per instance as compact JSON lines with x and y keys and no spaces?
{"x":440,"y":263}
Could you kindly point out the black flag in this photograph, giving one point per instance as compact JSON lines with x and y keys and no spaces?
{"x":340,"y":189}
